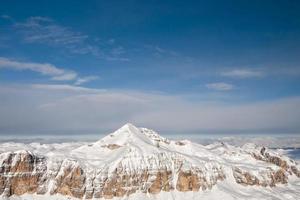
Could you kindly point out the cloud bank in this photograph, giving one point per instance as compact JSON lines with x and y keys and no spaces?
{"x":50,"y":108}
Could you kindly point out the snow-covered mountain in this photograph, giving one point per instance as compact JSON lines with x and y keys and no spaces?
{"x":137,"y":163}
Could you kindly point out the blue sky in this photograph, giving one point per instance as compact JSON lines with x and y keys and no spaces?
{"x":149,"y":61}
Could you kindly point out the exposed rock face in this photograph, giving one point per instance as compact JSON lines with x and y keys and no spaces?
{"x":180,"y":143}
{"x":21,"y":172}
{"x":29,"y":175}
{"x":193,"y":181}
{"x":279,"y":176}
{"x":269,"y":178}
{"x":162,"y":182}
{"x":70,"y":181}
{"x":112,"y":146}
{"x":119,"y":184}
{"x":296,"y":171}
{"x":245,"y":178}
{"x":276,"y":160}
{"x":265,"y":156}
{"x":187,"y":181}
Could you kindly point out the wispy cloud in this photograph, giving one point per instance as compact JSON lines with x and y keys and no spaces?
{"x":65,"y":77}
{"x":56,"y":73}
{"x":161,"y":52}
{"x":44,"y":30}
{"x":65,"y":88}
{"x":85,"y":79}
{"x":243,"y":73}
{"x":220,"y":86}
{"x":7,"y":17}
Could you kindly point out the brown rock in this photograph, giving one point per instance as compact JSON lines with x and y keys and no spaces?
{"x":2,"y":184}
{"x":180,"y":143}
{"x":279,"y":177}
{"x":24,"y":184}
{"x":89,"y":194}
{"x":296,"y":171}
{"x":161,"y":182}
{"x":71,"y":183}
{"x":245,"y":178}
{"x":265,"y":156}
{"x":112,"y":146}
{"x":21,"y":173}
{"x":188,"y":181}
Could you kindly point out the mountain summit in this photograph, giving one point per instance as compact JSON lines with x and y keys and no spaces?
{"x":127,"y":134}
{"x":138,"y":163}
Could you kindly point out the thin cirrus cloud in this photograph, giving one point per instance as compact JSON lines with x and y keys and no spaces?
{"x":220,"y":86}
{"x":56,"y":73}
{"x":242,"y":73}
{"x":65,"y":88}
{"x":44,"y":30}
{"x":85,"y":79}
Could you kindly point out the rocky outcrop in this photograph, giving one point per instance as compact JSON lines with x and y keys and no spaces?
{"x":161,"y":182}
{"x":180,"y":143}
{"x":119,"y":184}
{"x":70,"y":180}
{"x":196,"y":180}
{"x":268,"y":178}
{"x":264,"y":155}
{"x":24,"y":172}
{"x":21,"y":172}
{"x":111,"y":146}
{"x":296,"y":171}
{"x":245,"y":178}
{"x":279,"y":176}
{"x":187,"y":181}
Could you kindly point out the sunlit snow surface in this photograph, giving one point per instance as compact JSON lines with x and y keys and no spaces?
{"x":93,"y":155}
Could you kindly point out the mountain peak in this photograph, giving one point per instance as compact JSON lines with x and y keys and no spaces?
{"x":127,"y":134}
{"x":134,"y":138}
{"x":128,"y":130}
{"x":128,"y":127}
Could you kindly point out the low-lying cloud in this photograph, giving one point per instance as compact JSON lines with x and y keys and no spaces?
{"x":50,"y":108}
